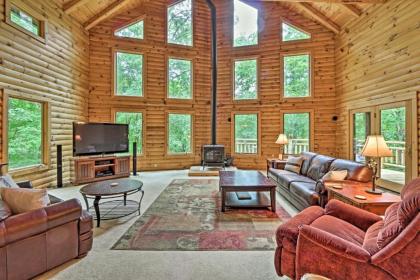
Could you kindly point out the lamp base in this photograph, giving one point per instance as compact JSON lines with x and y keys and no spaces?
{"x":376,"y":191}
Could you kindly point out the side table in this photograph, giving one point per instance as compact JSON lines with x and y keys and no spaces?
{"x":275,"y":163}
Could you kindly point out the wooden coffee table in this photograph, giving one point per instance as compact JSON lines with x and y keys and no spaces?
{"x":253,"y":182}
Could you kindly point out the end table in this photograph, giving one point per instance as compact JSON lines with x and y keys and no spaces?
{"x":275,"y":163}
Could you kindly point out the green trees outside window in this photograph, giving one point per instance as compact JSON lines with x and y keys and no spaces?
{"x":245,"y":24}
{"x":179,"y":133}
{"x":179,"y":78}
{"x":297,"y":75}
{"x":361,"y":129}
{"x":246,"y":133}
{"x":134,"y":30}
{"x":297,"y":129}
{"x":246,"y":79}
{"x":25,"y":21}
{"x":180,"y":23}
{"x":291,"y":33}
{"x":129,"y":74}
{"x":24,"y":133}
{"x":135,"y":128}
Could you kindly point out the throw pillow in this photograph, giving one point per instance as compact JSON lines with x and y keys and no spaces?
{"x":24,"y":200}
{"x":6,"y":181}
{"x":337,"y":175}
{"x":294,"y":164}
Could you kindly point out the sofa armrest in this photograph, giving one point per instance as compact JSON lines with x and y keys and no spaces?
{"x":321,"y":186}
{"x":63,"y":212}
{"x":85,"y":222}
{"x":25,"y":184}
{"x":332,"y":243}
{"x":355,"y":216}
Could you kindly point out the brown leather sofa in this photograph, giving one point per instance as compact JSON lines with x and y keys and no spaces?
{"x":307,"y":188}
{"x":34,"y":242}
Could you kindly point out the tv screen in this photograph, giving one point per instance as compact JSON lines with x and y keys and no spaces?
{"x":99,"y":138}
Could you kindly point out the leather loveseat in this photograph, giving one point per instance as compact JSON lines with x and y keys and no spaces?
{"x":307,"y":188}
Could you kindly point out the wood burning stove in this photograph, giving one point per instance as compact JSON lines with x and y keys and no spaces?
{"x":213,"y":155}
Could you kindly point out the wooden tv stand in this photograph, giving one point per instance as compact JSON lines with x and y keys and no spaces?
{"x":93,"y":169}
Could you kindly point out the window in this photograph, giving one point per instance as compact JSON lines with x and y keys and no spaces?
{"x":246,"y":79}
{"x":245,"y":24}
{"x":180,"y":23}
{"x":179,"y":133}
{"x":179,"y":78}
{"x":25,"y":137}
{"x":297,"y":129}
{"x":361,"y":130}
{"x":292,"y":33}
{"x":25,"y":21}
{"x":135,"y":128}
{"x":297,"y":75}
{"x":129,"y":74}
{"x":134,"y":30}
{"x":246,"y":133}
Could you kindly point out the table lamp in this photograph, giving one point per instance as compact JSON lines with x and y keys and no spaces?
{"x":282,"y":140}
{"x":375,"y":147}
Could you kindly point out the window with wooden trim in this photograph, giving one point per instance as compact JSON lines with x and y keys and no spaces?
{"x":297,"y":127}
{"x":246,"y":79}
{"x":297,"y":75}
{"x":133,"y":31}
{"x":180,"y":23}
{"x":135,"y":128}
{"x":180,"y":78}
{"x":128,"y":78}
{"x":293,"y":33}
{"x":246,"y":133}
{"x":245,"y":24}
{"x":179,"y":133}
{"x":26,"y":21}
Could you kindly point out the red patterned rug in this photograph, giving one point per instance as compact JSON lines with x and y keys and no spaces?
{"x":187,"y":217}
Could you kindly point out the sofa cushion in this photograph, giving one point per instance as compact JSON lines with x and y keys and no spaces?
{"x":391,"y":228}
{"x":370,"y":243}
{"x":408,"y":208}
{"x":319,"y":167}
{"x":307,"y":158}
{"x":356,"y":171}
{"x":284,"y":177}
{"x":294,"y":164}
{"x":305,"y":191}
{"x":411,"y":187}
{"x":24,"y":200}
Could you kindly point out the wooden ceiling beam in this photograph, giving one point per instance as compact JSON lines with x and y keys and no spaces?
{"x":104,"y":14}
{"x":320,"y":17}
{"x":71,"y":6}
{"x":333,"y":1}
{"x":353,"y":9}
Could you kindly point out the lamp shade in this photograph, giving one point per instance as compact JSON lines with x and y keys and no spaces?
{"x":376,"y":146}
{"x":282,"y":139}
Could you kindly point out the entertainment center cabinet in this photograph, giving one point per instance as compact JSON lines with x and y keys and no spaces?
{"x":92,"y":169}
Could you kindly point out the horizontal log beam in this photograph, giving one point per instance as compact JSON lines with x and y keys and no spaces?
{"x":353,"y":9}
{"x":320,"y":17}
{"x":333,"y":1}
{"x":104,"y":14}
{"x":73,"y":5}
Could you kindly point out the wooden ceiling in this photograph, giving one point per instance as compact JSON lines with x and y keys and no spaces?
{"x":333,"y":14}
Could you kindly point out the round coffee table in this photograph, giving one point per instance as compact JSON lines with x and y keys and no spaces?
{"x":113,"y":189}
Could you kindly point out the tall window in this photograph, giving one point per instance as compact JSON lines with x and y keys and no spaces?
{"x":246,"y":79}
{"x":180,"y":23}
{"x":361,"y":130}
{"x":297,"y":75}
{"x":134,"y":30}
{"x":297,"y":129}
{"x":245,"y":24}
{"x":25,"y":133}
{"x":135,"y":128}
{"x":129,"y":74}
{"x":179,"y":133}
{"x":292,"y":33}
{"x":246,"y":133}
{"x":179,"y":78}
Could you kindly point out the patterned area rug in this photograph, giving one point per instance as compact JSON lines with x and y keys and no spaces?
{"x":187,"y":217}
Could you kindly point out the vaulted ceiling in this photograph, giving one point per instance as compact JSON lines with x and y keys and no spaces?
{"x":333,"y":14}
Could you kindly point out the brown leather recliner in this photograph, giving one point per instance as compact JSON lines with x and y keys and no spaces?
{"x":34,"y":242}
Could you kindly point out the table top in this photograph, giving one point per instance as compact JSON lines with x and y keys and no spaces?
{"x":349,"y":191}
{"x":104,"y":188}
{"x":244,"y":178}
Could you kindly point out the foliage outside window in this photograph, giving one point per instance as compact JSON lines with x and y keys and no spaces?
{"x":134,"y":30}
{"x":297,"y":129}
{"x":179,"y":133}
{"x":180,"y":23}
{"x":297,"y":75}
{"x":361,"y":129}
{"x":246,"y":79}
{"x":25,"y":21}
{"x":246,"y":133}
{"x":24,"y":133}
{"x":179,"y":78}
{"x":129,"y":74}
{"x":135,"y":128}
{"x":245,"y":24}
{"x":291,"y":33}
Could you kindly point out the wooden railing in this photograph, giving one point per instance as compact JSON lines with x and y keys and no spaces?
{"x":246,"y":146}
{"x":296,"y":146}
{"x":249,"y":146}
{"x":397,"y":161}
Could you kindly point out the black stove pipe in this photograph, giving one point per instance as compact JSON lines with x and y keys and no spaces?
{"x":214,"y":71}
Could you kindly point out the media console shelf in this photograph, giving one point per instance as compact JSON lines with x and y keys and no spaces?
{"x":92,"y":169}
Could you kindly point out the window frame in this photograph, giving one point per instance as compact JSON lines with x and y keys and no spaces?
{"x":192,"y":144}
{"x":114,"y":73}
{"x":257,"y":45}
{"x":296,"y":26}
{"x":192,"y":86}
{"x":116,"y":110}
{"x":172,"y":3}
{"x":311,"y":75}
{"x":257,"y":58}
{"x":233,"y":136}
{"x":311,"y":113}
{"x":8,"y":4}
{"x":129,"y":23}
{"x":46,"y":119}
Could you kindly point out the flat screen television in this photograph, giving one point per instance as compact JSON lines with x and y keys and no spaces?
{"x":99,"y":138}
